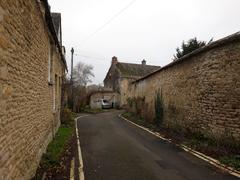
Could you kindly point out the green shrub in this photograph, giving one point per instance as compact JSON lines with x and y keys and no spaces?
{"x":67,"y":117}
{"x":130,"y":102}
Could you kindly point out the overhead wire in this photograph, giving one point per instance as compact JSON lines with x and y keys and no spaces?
{"x":91,"y":57}
{"x":86,"y":55}
{"x":100,"y":58}
{"x":108,"y":22}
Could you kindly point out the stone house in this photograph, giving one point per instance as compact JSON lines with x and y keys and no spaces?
{"x":121,"y":74}
{"x":32,"y":67}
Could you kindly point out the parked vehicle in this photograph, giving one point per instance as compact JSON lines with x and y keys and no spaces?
{"x":106,"y":104}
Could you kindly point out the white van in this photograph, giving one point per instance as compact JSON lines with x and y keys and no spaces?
{"x":106,"y":104}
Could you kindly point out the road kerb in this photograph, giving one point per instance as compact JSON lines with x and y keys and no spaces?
{"x":200,"y":155}
{"x":72,"y":169}
{"x":80,"y":169}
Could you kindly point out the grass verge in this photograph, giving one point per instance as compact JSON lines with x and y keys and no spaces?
{"x":233,"y":161}
{"x":55,"y":163}
{"x":57,"y":146}
{"x":134,"y":118}
{"x":225,"y":150}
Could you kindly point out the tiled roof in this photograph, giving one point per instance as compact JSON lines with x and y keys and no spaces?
{"x":135,"y":70}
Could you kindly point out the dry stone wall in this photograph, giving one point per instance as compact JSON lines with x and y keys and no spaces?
{"x":27,"y":121}
{"x":200,"y":93}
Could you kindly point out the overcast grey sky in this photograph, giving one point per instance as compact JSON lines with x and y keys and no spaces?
{"x":147,"y":29}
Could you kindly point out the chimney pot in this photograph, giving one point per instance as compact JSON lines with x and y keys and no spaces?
{"x":144,"y":62}
{"x":114,"y":60}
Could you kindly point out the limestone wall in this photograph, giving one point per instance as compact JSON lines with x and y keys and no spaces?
{"x":28,"y":118}
{"x":201,"y":92}
{"x":124,"y":89}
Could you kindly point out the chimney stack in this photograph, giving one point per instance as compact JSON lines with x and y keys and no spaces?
{"x":114,"y":60}
{"x":144,"y":62}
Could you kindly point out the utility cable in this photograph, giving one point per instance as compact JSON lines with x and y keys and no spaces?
{"x":108,"y":22}
{"x":91,"y":57}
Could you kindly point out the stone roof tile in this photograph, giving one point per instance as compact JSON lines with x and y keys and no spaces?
{"x":135,"y":70}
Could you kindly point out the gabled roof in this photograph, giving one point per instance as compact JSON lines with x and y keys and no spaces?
{"x":135,"y":70}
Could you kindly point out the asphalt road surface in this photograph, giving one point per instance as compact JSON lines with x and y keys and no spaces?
{"x":114,"y":149}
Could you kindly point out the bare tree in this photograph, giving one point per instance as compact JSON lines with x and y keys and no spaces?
{"x":82,"y":74}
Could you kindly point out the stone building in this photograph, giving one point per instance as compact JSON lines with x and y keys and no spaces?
{"x":120,"y":75}
{"x":32,"y":66}
{"x":200,"y":92}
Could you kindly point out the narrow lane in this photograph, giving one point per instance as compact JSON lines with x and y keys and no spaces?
{"x":113,"y":149}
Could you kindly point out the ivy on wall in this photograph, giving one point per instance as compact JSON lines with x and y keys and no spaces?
{"x":136,"y":105}
{"x":158,"y":108}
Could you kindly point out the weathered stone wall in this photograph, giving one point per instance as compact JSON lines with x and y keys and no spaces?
{"x":28,"y":119}
{"x":112,"y":79}
{"x":200,"y":93}
{"x":124,"y":89}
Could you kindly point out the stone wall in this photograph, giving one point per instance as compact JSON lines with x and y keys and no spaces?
{"x":124,"y":89}
{"x":112,"y":79}
{"x":200,"y":92}
{"x":29,"y":104}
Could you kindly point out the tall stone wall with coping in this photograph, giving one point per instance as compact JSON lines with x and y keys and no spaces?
{"x":27,"y":118}
{"x":200,"y":93}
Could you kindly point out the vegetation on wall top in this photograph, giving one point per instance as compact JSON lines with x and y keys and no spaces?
{"x":189,"y":46}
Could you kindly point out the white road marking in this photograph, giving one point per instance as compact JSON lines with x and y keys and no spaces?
{"x":72,"y":169}
{"x":80,"y":169}
{"x":202,"y":156}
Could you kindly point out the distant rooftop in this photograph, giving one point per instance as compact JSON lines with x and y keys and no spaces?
{"x":135,"y":70}
{"x":130,"y":70}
